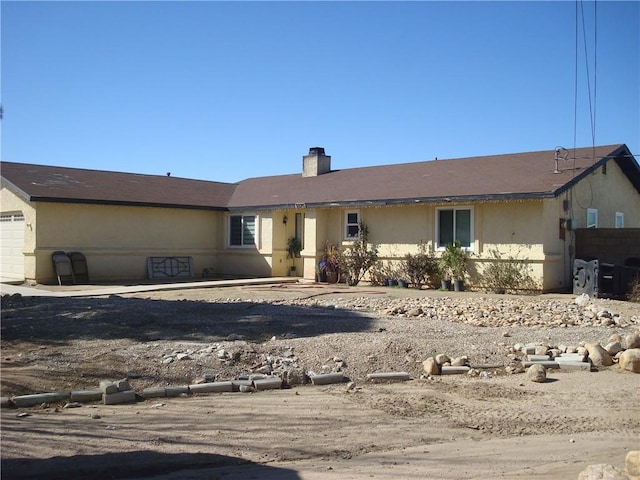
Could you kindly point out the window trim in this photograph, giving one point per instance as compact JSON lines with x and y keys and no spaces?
{"x":619,"y":215}
{"x":256,"y":235}
{"x":594,"y":212}
{"x":348,"y":237}
{"x":472,"y":237}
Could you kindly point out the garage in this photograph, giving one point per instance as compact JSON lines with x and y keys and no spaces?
{"x":11,"y":245}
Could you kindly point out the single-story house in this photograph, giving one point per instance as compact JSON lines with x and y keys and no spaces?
{"x":523,"y":203}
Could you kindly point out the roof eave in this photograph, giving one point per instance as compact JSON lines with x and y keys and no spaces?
{"x":400,"y":201}
{"x":124,"y":203}
{"x":16,"y":190}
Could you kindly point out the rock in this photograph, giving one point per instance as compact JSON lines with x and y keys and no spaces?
{"x":632,"y":463}
{"x":582,"y":300}
{"x":541,"y":350}
{"x":265,"y":369}
{"x":537,"y":373}
{"x":613,"y":348}
{"x":430,"y":366}
{"x":555,"y":352}
{"x":183,"y":356}
{"x":598,"y":355}
{"x":616,"y":337}
{"x":441,"y":359}
{"x":632,"y":340}
{"x":602,"y":471}
{"x":294,"y":376}
{"x":206,"y":378}
{"x":630,"y":360}
{"x":460,"y":361}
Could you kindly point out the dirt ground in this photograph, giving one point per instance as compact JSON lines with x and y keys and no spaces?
{"x":450,"y":427}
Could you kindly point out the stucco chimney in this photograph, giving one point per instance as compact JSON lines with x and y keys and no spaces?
{"x":316,"y":163}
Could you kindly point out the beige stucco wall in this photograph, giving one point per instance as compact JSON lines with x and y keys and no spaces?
{"x":609,"y":193}
{"x":256,"y":261}
{"x":511,"y":227}
{"x":116,"y":240}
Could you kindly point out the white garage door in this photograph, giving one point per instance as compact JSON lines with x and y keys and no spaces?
{"x":11,"y":245}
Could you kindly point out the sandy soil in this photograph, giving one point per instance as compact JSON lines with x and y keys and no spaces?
{"x":450,"y":427}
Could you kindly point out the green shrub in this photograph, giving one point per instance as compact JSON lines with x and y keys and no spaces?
{"x":421,"y":266}
{"x":508,"y":275}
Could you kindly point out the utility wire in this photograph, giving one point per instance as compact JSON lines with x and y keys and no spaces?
{"x":586,"y":63}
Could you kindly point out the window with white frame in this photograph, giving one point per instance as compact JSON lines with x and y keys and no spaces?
{"x":455,"y":223}
{"x":242,"y":230}
{"x":619,"y":220}
{"x":592,"y":218}
{"x":352,"y":224}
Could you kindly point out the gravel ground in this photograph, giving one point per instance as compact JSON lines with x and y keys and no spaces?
{"x":448,"y":427}
{"x":177,"y":337}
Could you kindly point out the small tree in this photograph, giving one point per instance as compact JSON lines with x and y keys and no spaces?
{"x":356,"y":260}
{"x":454,"y":261}
{"x":420,"y":266}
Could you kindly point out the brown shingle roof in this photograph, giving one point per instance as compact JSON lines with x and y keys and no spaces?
{"x":520,"y":175}
{"x":60,"y":184}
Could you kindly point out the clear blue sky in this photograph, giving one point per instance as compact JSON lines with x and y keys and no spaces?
{"x":229,"y":90}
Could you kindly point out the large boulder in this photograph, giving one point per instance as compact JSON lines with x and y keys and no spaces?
{"x":431,"y":367}
{"x":632,"y":463}
{"x":598,"y":355}
{"x":602,"y":471}
{"x":630,"y":360}
{"x":633,"y":340}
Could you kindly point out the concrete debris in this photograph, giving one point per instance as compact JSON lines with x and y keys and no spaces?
{"x":125,"y":396}
{"x":326,"y":378}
